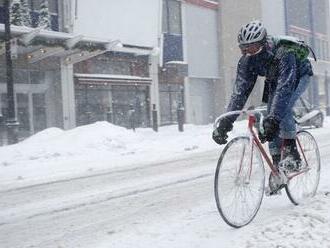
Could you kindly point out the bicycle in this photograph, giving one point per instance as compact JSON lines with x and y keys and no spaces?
{"x":240,"y":182}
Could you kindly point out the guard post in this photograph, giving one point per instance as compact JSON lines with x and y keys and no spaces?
{"x":154,"y":118}
{"x":180,"y":113}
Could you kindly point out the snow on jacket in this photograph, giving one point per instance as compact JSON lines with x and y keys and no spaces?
{"x":282,"y":71}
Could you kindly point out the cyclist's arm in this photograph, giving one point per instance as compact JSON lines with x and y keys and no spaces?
{"x":285,"y":85}
{"x":245,"y":81}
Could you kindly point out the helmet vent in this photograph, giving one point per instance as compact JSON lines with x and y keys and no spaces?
{"x":251,"y":33}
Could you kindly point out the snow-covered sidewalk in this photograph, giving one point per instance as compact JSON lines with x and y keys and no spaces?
{"x":54,"y":154}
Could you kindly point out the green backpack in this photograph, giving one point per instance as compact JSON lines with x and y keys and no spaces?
{"x":293,"y":44}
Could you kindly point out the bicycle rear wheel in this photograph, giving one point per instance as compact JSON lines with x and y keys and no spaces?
{"x":238,"y":188}
{"x":304,"y":186}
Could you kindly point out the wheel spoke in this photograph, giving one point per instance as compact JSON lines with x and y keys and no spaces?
{"x":239,"y":193}
{"x":304,"y":185}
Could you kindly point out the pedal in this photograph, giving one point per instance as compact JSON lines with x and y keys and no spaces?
{"x":269,"y":192}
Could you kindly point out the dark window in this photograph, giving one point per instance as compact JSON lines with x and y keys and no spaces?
{"x":173,"y":48}
{"x":53,"y":11}
{"x":172,"y":17}
{"x":299,"y":14}
{"x":52,"y":5}
{"x":2,"y":12}
{"x":172,"y":29}
{"x":34,"y":8}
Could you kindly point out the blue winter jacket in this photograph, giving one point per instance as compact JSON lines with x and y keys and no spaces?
{"x":282,"y":71}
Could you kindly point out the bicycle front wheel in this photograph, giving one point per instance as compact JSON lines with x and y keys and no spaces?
{"x":239,"y":182}
{"x":304,"y":186}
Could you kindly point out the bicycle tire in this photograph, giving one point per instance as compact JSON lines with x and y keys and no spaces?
{"x":297,"y":188}
{"x":253,"y":188}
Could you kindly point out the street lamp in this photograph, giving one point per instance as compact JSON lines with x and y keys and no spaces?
{"x":11,"y":122}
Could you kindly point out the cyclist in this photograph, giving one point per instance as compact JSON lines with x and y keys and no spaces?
{"x":287,"y":77}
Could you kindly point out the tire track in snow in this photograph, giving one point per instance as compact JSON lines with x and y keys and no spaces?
{"x":132,"y":168}
{"x":306,"y":226}
{"x":122,"y":193}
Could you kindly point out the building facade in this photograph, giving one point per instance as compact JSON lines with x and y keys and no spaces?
{"x":108,"y":85}
{"x":71,"y":75}
{"x":202,"y":54}
{"x":37,"y":85}
{"x":190,"y":46}
{"x":161,"y":55}
{"x":312,"y":25}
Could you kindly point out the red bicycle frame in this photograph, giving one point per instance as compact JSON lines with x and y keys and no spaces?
{"x":255,"y":140}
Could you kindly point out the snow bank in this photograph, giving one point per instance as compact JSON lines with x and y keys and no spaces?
{"x":53,"y":154}
{"x":106,"y":138}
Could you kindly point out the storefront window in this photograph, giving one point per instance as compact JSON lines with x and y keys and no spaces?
{"x":37,"y":77}
{"x":112,"y":103}
{"x":39,"y":112}
{"x":92,"y":103}
{"x":23,"y":114}
{"x":4,"y":105}
{"x":21,"y":76}
{"x":110,"y":63}
{"x":171,"y":98}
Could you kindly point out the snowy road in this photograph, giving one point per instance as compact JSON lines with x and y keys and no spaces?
{"x":168,"y":204}
{"x":74,"y":213}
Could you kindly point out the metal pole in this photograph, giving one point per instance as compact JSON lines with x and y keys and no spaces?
{"x":326,"y":89}
{"x":12,"y":124}
{"x":286,"y":17}
{"x":170,"y":100}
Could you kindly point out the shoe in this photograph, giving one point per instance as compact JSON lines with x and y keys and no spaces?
{"x":275,"y":184}
{"x":276,"y":159}
{"x":290,"y":164}
{"x":291,"y":161}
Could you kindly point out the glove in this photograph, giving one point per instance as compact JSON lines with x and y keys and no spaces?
{"x":219,"y":135}
{"x":271,"y":127}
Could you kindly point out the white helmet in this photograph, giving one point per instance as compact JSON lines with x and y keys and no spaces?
{"x":251,"y":33}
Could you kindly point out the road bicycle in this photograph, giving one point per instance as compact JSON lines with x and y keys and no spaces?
{"x":240,"y":181}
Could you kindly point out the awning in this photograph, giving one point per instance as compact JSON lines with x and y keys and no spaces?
{"x":37,"y":44}
{"x":82,"y":78}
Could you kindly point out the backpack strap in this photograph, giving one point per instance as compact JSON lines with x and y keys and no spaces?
{"x":311,"y":50}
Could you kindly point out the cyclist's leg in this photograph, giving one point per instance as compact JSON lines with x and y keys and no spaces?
{"x":288,"y":126}
{"x":275,"y":145}
{"x":274,"y":183}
